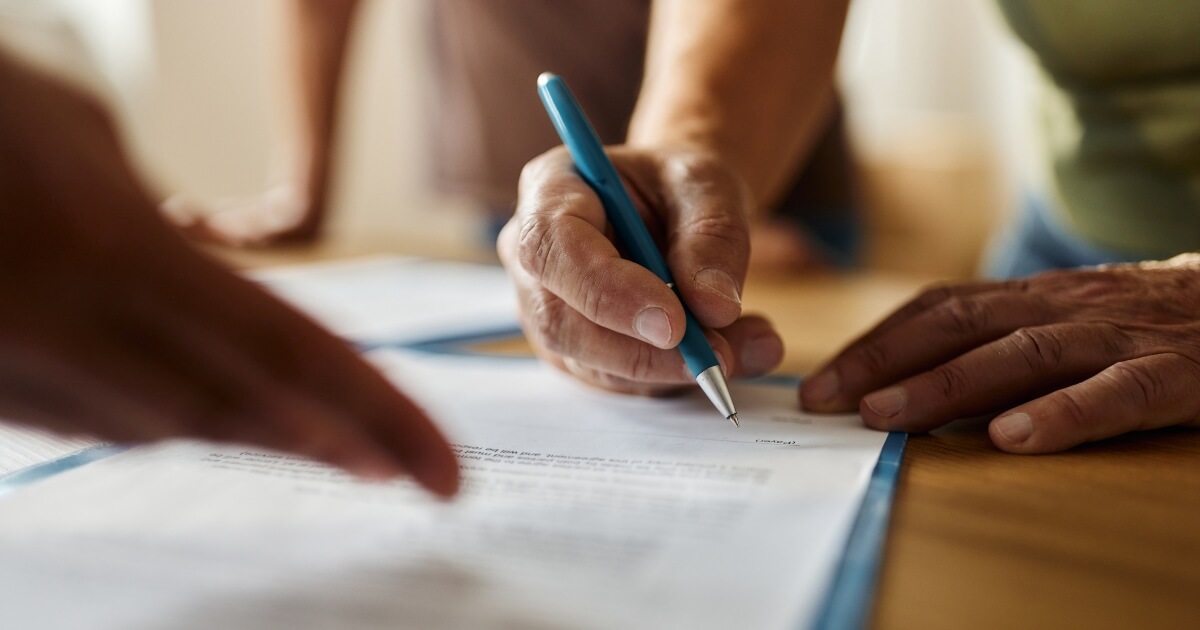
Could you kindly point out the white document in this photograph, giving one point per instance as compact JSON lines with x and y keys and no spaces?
{"x":397,"y":299}
{"x":580,"y":509}
{"x":21,"y":447}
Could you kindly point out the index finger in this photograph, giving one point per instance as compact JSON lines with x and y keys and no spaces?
{"x":919,"y":342}
{"x":232,"y":335}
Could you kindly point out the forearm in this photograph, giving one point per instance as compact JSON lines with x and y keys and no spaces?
{"x":749,"y":81}
{"x":315,"y":43}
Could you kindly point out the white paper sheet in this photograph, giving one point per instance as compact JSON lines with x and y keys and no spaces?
{"x":21,"y":447}
{"x":580,"y":509}
{"x":396,"y":299}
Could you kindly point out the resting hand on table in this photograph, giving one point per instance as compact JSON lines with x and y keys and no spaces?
{"x":1064,"y":357}
{"x":282,"y":214}
{"x":609,"y":321}
{"x":112,"y":326}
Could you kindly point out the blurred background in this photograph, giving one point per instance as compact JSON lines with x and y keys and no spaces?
{"x":938,"y":97}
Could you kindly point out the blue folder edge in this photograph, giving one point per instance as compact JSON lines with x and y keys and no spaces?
{"x":848,"y":603}
{"x":37,"y":472}
{"x":852,"y":592}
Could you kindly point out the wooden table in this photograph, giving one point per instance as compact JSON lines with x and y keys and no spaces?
{"x":1105,"y":535}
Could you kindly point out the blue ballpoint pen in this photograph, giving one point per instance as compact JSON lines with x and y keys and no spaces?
{"x":596,"y":169}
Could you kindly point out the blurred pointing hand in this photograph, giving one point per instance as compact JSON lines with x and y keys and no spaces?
{"x":112,"y":326}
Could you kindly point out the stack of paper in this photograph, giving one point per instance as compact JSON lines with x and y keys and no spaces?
{"x":580,"y":508}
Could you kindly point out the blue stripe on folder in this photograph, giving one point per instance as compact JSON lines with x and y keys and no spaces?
{"x":457,"y":344}
{"x":37,"y":472}
{"x":848,"y":605}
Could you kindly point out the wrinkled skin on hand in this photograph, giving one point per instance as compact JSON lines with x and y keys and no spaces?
{"x":1064,"y":357}
{"x":112,"y":326}
{"x":609,"y":321}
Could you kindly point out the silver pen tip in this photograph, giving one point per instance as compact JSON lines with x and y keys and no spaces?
{"x":734,"y":419}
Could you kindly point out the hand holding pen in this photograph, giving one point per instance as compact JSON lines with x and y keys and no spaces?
{"x":611,"y":321}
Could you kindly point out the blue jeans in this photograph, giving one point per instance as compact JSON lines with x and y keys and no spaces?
{"x":1037,"y":242}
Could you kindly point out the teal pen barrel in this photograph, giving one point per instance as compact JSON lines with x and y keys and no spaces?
{"x":593,"y":165}
{"x":696,"y":351}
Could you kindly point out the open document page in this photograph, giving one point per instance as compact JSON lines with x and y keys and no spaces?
{"x":397,"y":299}
{"x":580,"y":509}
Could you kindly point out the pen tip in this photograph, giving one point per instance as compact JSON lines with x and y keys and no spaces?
{"x":734,"y":419}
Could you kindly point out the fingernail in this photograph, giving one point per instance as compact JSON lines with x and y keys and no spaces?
{"x":824,"y":386}
{"x":887,"y":402}
{"x":652,"y":325}
{"x":761,"y":354}
{"x":718,"y":282}
{"x":1015,"y":427}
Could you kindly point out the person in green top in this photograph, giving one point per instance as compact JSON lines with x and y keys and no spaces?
{"x":731,"y":97}
{"x":1120,"y":123}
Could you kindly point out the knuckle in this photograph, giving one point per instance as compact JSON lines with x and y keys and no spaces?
{"x":874,"y":356}
{"x":595,"y":301}
{"x":1041,"y":348}
{"x":697,"y":176}
{"x":1136,"y":385}
{"x":534,"y":169}
{"x":721,"y":226}
{"x":531,"y":171}
{"x":696,"y":167}
{"x":950,"y":380}
{"x":645,"y":364}
{"x":1114,"y":340}
{"x":549,"y":317}
{"x":1020,"y":285}
{"x":925,"y":300}
{"x":1092,"y":286}
{"x":932,"y":296}
{"x":535,"y":244}
{"x":1071,"y":412}
{"x":545,"y":226}
{"x":1190,"y":367}
{"x":963,"y":316}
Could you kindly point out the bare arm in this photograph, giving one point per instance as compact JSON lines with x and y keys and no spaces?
{"x":318,"y":34}
{"x":751,"y":82}
{"x":316,"y":37}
